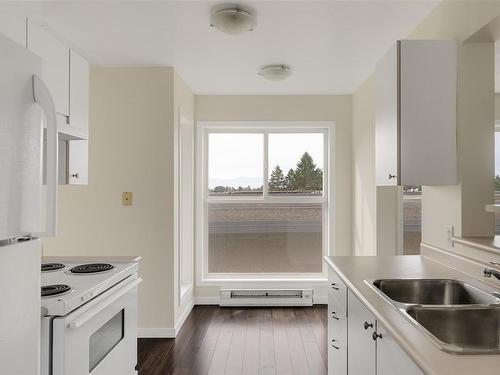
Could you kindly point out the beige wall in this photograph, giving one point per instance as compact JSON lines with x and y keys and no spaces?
{"x":363,"y":173}
{"x":131,"y":132}
{"x":296,"y":108}
{"x":443,"y":205}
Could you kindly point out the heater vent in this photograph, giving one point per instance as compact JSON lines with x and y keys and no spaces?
{"x":266,"y":297}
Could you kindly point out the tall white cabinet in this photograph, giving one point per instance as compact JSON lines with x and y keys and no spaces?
{"x":415,"y":126}
{"x":67,"y":76}
{"x":12,"y":24}
{"x":55,"y":65}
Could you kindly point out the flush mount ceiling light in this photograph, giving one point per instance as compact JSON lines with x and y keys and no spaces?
{"x":276,"y":72}
{"x":234,"y":20}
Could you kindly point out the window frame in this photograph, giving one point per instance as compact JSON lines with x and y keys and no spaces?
{"x":203,"y":199}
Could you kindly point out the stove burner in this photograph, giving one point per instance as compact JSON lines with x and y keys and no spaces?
{"x":92,"y":268}
{"x":52,"y":266}
{"x":54,"y":290}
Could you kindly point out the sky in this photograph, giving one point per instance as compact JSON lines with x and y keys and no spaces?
{"x":237,"y":159}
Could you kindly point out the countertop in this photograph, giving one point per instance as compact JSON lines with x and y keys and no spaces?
{"x":354,"y":270}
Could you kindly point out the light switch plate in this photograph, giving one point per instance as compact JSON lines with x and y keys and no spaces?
{"x":127,"y":198}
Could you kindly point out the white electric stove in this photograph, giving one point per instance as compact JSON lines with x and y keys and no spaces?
{"x":89,"y":316}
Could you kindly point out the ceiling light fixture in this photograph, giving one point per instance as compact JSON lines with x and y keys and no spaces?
{"x":277,"y":72}
{"x":233,"y":20}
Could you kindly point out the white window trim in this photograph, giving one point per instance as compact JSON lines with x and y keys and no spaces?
{"x":202,"y":199}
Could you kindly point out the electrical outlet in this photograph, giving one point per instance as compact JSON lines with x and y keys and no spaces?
{"x":450,"y":233}
{"x":127,"y":198}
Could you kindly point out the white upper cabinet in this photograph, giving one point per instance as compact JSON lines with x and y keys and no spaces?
{"x":12,"y":24}
{"x":55,"y":65}
{"x":79,"y":92}
{"x":415,"y":126}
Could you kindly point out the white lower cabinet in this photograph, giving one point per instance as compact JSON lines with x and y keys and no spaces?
{"x":357,"y":343}
{"x":337,"y":325}
{"x":361,"y":324}
{"x":391,"y":359}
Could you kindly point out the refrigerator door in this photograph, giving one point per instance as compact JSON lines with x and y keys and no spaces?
{"x":21,"y":139}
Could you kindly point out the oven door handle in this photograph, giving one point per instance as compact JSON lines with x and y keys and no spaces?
{"x":85,"y":317}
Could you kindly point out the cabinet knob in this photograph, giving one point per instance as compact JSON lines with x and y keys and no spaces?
{"x":334,"y":286}
{"x":376,"y":336}
{"x":75,"y":175}
{"x":391,"y":176}
{"x":367,"y":325}
{"x":334,"y":316}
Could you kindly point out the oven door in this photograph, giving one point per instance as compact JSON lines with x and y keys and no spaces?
{"x":99,"y":337}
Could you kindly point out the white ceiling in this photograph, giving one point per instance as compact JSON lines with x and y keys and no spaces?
{"x":332,"y":46}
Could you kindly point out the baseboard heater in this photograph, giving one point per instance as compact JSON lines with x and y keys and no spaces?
{"x":266,"y":297}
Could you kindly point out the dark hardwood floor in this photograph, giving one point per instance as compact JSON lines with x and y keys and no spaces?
{"x":222,"y":340}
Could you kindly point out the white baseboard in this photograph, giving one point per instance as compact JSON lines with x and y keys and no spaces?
{"x":167,"y":333}
{"x":183,"y":317}
{"x":207,"y":300}
{"x":320,"y":300}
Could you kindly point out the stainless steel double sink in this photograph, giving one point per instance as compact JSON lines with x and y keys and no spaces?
{"x":460,"y":318}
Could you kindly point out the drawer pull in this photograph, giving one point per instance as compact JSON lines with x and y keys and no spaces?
{"x":333,"y":315}
{"x":335,"y":347}
{"x":334,"y":286}
{"x":367,"y":325}
{"x":376,"y":336}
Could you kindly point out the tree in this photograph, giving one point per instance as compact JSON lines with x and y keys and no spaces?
{"x":307,"y":175}
{"x":290,"y":180}
{"x":277,"y":181}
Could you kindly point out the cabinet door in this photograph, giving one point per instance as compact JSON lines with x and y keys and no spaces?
{"x":79,"y":92}
{"x":386,"y":119}
{"x":12,"y":25}
{"x":78,"y":163}
{"x":55,"y":65}
{"x":361,"y":323}
{"x":428,"y":96}
{"x":391,"y":359}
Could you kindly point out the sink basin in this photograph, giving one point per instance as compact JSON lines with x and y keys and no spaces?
{"x":433,"y":292}
{"x":462,"y":330}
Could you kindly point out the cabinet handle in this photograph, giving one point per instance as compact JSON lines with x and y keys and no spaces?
{"x":333,"y":315}
{"x":376,"y":336}
{"x":334,"y":286}
{"x":391,"y":176}
{"x":335,"y":347}
{"x":367,"y":325}
{"x":75,"y":175}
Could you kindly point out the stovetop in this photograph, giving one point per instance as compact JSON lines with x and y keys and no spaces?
{"x":78,"y":282}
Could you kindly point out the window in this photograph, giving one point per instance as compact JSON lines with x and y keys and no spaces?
{"x":412,"y":219}
{"x":264,"y":200}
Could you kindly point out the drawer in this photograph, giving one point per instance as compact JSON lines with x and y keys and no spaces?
{"x":337,"y":291}
{"x":337,"y":344}
{"x":337,"y":327}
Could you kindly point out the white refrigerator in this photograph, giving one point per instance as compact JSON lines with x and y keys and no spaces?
{"x":27,"y":202}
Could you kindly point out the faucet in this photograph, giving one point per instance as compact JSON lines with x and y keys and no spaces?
{"x":488,"y":272}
